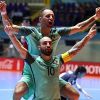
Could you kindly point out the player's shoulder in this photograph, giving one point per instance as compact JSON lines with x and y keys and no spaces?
{"x":70,"y":72}
{"x":62,"y":74}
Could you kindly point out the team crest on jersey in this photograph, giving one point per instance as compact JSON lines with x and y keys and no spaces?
{"x":53,"y":37}
{"x":56,"y":62}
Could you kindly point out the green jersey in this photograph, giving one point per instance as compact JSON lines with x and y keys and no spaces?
{"x":46,"y":76}
{"x":33,"y":35}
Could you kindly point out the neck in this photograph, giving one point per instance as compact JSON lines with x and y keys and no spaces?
{"x":46,"y":58}
{"x":45,"y":31}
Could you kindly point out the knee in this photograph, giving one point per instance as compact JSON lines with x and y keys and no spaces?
{"x":20,"y":89}
{"x":76,"y":95}
{"x":70,"y":92}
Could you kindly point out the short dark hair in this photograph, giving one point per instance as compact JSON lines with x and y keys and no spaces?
{"x":41,"y":11}
{"x":27,"y":19}
{"x":80,"y":69}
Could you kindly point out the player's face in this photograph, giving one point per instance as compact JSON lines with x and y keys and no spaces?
{"x":47,"y":18}
{"x":80,"y":75}
{"x":46,"y":46}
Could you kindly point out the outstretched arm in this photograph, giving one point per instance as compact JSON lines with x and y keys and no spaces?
{"x":79,"y":45}
{"x":83,"y":91}
{"x":7,"y":22}
{"x":5,"y":18}
{"x":85,"y":24}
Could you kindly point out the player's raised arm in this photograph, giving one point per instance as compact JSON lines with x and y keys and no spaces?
{"x":16,"y":42}
{"x":85,"y":24}
{"x":79,"y":45}
{"x":7,"y":22}
{"x":5,"y":18}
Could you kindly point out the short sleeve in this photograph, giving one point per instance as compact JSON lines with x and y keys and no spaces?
{"x":63,"y":31}
{"x":25,"y":31}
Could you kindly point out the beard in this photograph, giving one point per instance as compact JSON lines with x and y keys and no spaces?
{"x":46,"y":52}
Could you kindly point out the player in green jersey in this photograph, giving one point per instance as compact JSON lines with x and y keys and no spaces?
{"x":46,"y":67}
{"x":33,"y":35}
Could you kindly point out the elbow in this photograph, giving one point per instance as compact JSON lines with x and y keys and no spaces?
{"x":82,"y":29}
{"x":23,"y":54}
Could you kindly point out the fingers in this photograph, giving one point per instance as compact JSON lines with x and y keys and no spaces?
{"x":98,"y":13}
{"x":2,"y":1}
{"x":98,"y":8}
{"x":93,"y":27}
{"x":2,"y":5}
{"x":92,"y":31}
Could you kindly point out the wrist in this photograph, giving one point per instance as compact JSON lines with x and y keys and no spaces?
{"x":95,"y":17}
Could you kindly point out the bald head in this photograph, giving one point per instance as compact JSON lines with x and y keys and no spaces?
{"x":46,"y":18}
{"x":45,"y":39}
{"x":46,"y":11}
{"x":45,"y":46}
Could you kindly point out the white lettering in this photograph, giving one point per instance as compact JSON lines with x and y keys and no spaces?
{"x":91,"y":69}
{"x":6,"y":64}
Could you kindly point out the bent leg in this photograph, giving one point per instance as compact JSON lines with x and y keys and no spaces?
{"x":20,"y":89}
{"x":28,"y":78}
{"x":70,"y":92}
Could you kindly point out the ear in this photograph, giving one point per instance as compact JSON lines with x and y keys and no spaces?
{"x":39,"y":19}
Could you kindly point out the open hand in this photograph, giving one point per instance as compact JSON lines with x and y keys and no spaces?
{"x":92,"y":31}
{"x":97,"y":13}
{"x":2,"y":6}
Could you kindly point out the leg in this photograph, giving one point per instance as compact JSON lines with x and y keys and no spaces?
{"x":20,"y":89}
{"x":28,"y":81}
{"x":70,"y":92}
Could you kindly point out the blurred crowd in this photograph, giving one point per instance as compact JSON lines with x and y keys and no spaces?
{"x":66,"y":14}
{"x":6,"y":47}
{"x":17,"y":11}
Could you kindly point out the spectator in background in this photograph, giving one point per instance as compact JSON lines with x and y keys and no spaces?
{"x":11,"y":51}
{"x":16,"y":16}
{"x":1,"y":47}
{"x":26,"y":22}
{"x":23,"y":41}
{"x":34,"y":34}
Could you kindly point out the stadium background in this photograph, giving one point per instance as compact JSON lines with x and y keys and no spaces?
{"x":67,"y":13}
